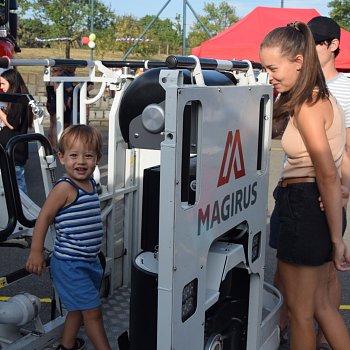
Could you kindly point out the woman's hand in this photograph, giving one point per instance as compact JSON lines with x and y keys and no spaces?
{"x":3,"y":118}
{"x":344,"y":197}
{"x":340,"y":256}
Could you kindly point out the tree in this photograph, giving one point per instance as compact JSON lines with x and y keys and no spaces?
{"x":127,"y":28}
{"x":340,"y":12}
{"x":164,"y":32}
{"x":163,"y":36}
{"x":106,"y":40}
{"x":28,"y":30}
{"x":71,"y":19}
{"x":216,"y":19}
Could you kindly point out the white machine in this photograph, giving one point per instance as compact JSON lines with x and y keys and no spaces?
{"x":205,"y":275}
{"x":184,"y":201}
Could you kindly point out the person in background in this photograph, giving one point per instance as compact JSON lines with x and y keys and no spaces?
{"x":326,"y":33}
{"x":51,"y":108}
{"x":68,"y":96}
{"x":15,"y":119}
{"x":73,"y":206}
{"x":314,"y":142}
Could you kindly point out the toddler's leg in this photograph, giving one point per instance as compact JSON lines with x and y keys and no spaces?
{"x":71,"y":328}
{"x":94,"y":328}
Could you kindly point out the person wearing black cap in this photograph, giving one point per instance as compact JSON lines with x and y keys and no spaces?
{"x":324,"y":29}
{"x":326,"y":33}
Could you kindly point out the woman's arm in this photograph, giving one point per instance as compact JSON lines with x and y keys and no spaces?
{"x":3,"y":118}
{"x":312,"y":122}
{"x":345,"y":169}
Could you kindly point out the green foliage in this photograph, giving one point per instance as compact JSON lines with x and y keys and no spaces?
{"x":65,"y":18}
{"x":23,"y":7}
{"x":340,"y":12}
{"x":28,"y":30}
{"x":216,"y":19}
{"x":105,"y":41}
{"x":130,"y":27}
{"x":165,"y":34}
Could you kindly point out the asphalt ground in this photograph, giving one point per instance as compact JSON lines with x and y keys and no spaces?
{"x":12,"y":259}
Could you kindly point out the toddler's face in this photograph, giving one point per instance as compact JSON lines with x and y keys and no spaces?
{"x":79,"y":161}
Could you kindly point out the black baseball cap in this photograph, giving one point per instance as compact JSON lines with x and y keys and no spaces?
{"x":324,"y":28}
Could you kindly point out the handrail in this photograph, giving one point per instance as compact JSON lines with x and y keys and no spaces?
{"x":57,"y":62}
{"x":208,"y":63}
{"x":15,"y":97}
{"x":171,"y":62}
{"x":10,"y":149}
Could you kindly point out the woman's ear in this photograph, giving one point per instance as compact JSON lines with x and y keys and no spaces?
{"x":299,"y":60}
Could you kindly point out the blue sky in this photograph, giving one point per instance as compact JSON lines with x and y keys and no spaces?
{"x":140,"y":8}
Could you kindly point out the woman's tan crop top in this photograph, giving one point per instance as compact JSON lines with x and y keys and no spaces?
{"x":298,"y":162}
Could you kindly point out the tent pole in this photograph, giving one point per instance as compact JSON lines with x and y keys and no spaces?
{"x":185,"y":3}
{"x":198,"y":19}
{"x":144,"y":32}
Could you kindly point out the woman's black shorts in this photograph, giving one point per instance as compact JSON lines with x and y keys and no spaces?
{"x":304,"y":237}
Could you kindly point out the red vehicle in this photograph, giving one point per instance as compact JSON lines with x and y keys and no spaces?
{"x":8,"y":28}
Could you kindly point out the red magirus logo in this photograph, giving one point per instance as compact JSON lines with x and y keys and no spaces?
{"x":232,"y":158}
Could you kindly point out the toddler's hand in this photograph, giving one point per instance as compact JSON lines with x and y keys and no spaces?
{"x":36,"y":263}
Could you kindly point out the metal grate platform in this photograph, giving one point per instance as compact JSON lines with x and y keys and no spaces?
{"x":115,"y":316}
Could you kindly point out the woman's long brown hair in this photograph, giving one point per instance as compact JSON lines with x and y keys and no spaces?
{"x":293,"y":40}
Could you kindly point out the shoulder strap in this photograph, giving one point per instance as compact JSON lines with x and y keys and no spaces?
{"x":66,"y":179}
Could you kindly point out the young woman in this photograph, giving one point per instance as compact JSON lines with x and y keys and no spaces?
{"x":314,"y":142}
{"x":15,"y":119}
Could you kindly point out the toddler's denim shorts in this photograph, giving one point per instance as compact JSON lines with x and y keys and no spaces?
{"x":77,"y":282}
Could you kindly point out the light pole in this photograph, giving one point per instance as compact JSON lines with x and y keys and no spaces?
{"x":184,"y":28}
{"x":92,"y":27}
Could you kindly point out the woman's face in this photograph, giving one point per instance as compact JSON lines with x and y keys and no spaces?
{"x":4,"y":84}
{"x":283,"y":73}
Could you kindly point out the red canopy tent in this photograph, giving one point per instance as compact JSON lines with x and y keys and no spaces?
{"x":242,"y":39}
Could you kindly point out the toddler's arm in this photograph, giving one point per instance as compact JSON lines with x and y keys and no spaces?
{"x":56,"y":199}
